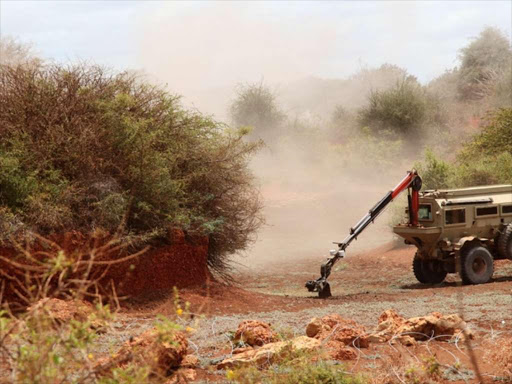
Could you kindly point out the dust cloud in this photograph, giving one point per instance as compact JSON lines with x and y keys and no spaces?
{"x":202,"y":50}
{"x":311,"y":198}
{"x":308,"y":205}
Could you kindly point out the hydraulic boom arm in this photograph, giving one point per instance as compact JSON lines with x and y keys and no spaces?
{"x":413,"y":181}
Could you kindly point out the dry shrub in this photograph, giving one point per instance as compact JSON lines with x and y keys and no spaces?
{"x":58,"y":341}
{"x":84,"y":148}
{"x":13,"y":52}
{"x":75,"y":270}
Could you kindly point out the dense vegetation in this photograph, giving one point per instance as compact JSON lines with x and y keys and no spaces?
{"x":486,"y":60}
{"x":485,"y":159}
{"x":383,"y":118}
{"x":85,"y":149}
{"x":406,"y":108}
{"x":82,"y":148}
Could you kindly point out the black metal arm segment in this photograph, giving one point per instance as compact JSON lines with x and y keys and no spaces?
{"x":321,"y":284}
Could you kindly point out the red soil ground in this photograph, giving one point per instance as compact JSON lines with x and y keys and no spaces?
{"x":155,"y":271}
{"x":364,"y":281}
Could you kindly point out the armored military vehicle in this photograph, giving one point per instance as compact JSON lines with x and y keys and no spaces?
{"x":460,"y":230}
{"x":454,"y":230}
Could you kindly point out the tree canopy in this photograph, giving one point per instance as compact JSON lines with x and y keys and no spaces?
{"x":486,"y":58}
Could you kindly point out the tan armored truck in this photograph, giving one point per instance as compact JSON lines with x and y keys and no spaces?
{"x":460,"y":230}
{"x":455,"y":230}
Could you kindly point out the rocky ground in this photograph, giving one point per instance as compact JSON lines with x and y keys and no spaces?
{"x":364,"y":287}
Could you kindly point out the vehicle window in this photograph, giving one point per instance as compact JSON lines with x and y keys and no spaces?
{"x":455,"y":216}
{"x":425,"y":212}
{"x":486,"y":211}
{"x":506,"y":209}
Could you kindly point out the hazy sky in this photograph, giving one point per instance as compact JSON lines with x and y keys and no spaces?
{"x":194,"y":45}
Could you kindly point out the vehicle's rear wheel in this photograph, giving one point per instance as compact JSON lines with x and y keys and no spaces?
{"x":505,"y":243}
{"x":428,"y":271}
{"x":477,"y":265}
{"x":417,"y":268}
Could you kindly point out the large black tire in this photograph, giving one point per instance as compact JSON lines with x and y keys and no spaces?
{"x":477,"y":265}
{"x":417,"y":268}
{"x":505,"y":243}
{"x":428,"y":271}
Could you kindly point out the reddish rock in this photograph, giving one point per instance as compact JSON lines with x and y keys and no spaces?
{"x":390,"y":316}
{"x":162,"y":352}
{"x":336,"y":328}
{"x":316,"y":327}
{"x":339,"y":351}
{"x":182,"y":376}
{"x":63,"y":311}
{"x":242,"y":350}
{"x":265,"y":355}
{"x":255,"y":333}
{"x":407,"y":331}
{"x":190,"y":361}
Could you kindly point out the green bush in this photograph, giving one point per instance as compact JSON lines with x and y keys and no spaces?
{"x":404,"y":109}
{"x":485,"y":170}
{"x":495,"y":137}
{"x":485,"y":159}
{"x":255,"y":106}
{"x":83,"y":149}
{"x":366,"y":148}
{"x":435,"y":173}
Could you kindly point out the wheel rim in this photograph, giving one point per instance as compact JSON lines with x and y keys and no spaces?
{"x":479,"y":266}
{"x":434,"y":267}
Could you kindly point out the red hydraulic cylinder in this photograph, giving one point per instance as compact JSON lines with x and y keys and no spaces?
{"x":403,"y":184}
{"x":415,"y":204}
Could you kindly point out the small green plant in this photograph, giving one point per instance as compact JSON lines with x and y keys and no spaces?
{"x":43,"y":349}
{"x":431,"y":366}
{"x":411,"y":374}
{"x":435,"y":173}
